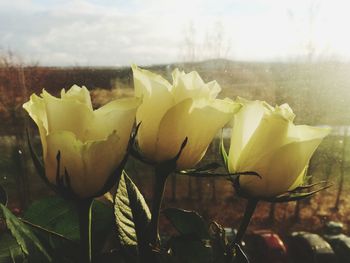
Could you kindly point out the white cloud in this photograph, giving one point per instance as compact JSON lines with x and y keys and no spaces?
{"x":109,"y":33}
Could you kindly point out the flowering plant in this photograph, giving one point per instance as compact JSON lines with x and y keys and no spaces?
{"x":86,"y":150}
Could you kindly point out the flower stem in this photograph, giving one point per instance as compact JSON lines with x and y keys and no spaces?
{"x":234,"y":249}
{"x":249,"y":211}
{"x":153,"y":229}
{"x":159,"y":186}
{"x":84,"y":210}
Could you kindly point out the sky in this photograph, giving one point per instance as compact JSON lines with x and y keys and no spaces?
{"x":122,"y":32}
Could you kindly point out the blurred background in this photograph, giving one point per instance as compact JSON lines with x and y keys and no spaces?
{"x":295,"y":52}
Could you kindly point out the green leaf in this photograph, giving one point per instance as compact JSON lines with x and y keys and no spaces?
{"x":55,"y":214}
{"x":132,"y":215}
{"x":10,"y":250}
{"x":25,"y":238}
{"x":190,"y":250}
{"x":187,"y":222}
{"x":61,"y":248}
{"x":61,"y":216}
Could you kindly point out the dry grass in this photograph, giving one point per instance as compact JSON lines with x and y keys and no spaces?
{"x":103,"y":96}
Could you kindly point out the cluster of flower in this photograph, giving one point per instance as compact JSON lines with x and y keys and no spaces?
{"x":93,"y":143}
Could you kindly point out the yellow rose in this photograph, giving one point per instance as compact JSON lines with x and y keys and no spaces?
{"x":170,"y":113}
{"x":92,"y":143}
{"x":265,"y":140}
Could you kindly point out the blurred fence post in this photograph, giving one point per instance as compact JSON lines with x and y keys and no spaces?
{"x":199,"y":188}
{"x":297,"y":211}
{"x":330,"y":162}
{"x":342,"y":169}
{"x":213,"y":189}
{"x":20,"y":154}
{"x":271,"y":217}
{"x":21,"y":182}
{"x":173,"y":187}
{"x":190,"y":191}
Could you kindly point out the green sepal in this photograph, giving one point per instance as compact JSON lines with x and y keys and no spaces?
{"x":223,"y":153}
{"x":307,"y":186}
{"x":229,"y":176}
{"x":294,"y":195}
{"x":206,"y":168}
{"x":289,"y":196}
{"x":38,"y":164}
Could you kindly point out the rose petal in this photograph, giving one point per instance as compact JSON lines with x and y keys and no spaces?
{"x":281,"y":168}
{"x":117,"y":116}
{"x":67,"y":115}
{"x":192,"y":86}
{"x":76,"y":93}
{"x":88,"y":164}
{"x":245,"y":123}
{"x":157,"y":99}
{"x":199,"y":121}
{"x":36,"y":109}
{"x":270,"y":135}
{"x":146,"y":82}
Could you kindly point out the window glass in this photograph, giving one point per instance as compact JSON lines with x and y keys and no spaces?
{"x":294,"y":52}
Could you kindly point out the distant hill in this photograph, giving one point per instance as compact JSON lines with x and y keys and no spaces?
{"x":319,"y":93}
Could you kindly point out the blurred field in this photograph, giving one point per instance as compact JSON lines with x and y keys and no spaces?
{"x":318,"y":93}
